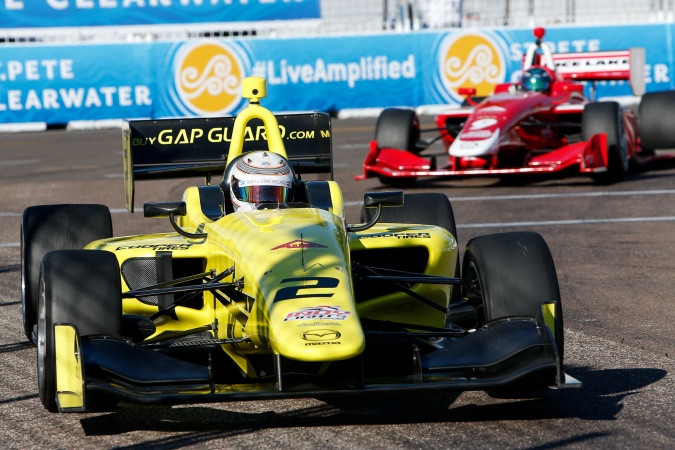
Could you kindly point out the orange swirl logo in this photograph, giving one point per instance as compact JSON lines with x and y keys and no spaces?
{"x":208,"y":77}
{"x":471,"y":60}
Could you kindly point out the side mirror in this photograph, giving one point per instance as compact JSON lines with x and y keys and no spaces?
{"x":171,"y":210}
{"x":388,"y":199}
{"x":467,"y":91}
{"x":378,"y":200}
{"x":164,"y":209}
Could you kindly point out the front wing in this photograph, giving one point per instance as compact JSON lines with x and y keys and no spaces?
{"x":493,"y":356}
{"x":588,"y":157}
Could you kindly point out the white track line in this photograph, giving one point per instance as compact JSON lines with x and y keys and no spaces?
{"x":490,"y":198}
{"x":499,"y":198}
{"x":567,"y":222}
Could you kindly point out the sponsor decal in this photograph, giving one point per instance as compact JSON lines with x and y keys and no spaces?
{"x":297,"y":245}
{"x":406,"y":235}
{"x":478,"y":134}
{"x":191,"y":136}
{"x":479,"y":124}
{"x":493,"y":109}
{"x":207,"y":78}
{"x":470,"y":60}
{"x":592,"y":62}
{"x":322,"y":312}
{"x":317,"y":324}
{"x":156,"y":247}
{"x":320,"y":335}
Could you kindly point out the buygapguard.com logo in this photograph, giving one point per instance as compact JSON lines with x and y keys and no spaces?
{"x":472,"y":60}
{"x":207,"y":78}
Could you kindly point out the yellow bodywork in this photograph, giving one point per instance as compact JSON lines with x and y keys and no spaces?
{"x":297,"y":299}
{"x":291,"y":288}
{"x":296,"y":271}
{"x":69,"y":369}
{"x":548,"y":312}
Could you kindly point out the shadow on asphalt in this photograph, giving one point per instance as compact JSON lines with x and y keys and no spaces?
{"x":600,"y":399}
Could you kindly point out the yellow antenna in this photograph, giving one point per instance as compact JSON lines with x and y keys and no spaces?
{"x":255,"y":88}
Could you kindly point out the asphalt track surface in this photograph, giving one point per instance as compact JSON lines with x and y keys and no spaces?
{"x":613,"y":247}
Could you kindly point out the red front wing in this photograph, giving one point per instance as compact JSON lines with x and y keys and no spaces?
{"x":589,"y":157}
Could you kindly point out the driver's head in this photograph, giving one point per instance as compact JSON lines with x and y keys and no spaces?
{"x":260,"y":177}
{"x":536,"y":79}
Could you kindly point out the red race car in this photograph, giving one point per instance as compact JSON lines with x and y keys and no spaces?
{"x":543,"y":125}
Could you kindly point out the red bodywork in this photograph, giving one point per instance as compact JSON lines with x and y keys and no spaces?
{"x":520,"y":149}
{"x":519,"y":132}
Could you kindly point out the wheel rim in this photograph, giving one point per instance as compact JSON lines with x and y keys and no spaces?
{"x":624,"y":154}
{"x":474,"y":294}
{"x":24,"y":300}
{"x":41,"y":340}
{"x":623,"y":144}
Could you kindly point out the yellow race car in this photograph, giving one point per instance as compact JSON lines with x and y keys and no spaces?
{"x":263,"y":290}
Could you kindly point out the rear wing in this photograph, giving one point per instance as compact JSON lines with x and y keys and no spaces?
{"x":626,"y":65}
{"x":199,"y":147}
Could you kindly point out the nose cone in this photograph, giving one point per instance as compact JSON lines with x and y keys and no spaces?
{"x":313,"y":331}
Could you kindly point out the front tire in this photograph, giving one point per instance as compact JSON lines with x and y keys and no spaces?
{"x":511,"y":274}
{"x":398,"y":128}
{"x":54,"y":227}
{"x":78,"y":287}
{"x":607,"y":117}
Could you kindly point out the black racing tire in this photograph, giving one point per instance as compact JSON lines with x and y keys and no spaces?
{"x":54,"y":227}
{"x":398,"y":128}
{"x":427,"y":208}
{"x":655,"y":115}
{"x":511,"y":274}
{"x":607,"y":117}
{"x":79,"y":287}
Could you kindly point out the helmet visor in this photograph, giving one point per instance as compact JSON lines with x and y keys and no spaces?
{"x":262,"y":193}
{"x":536,"y":82}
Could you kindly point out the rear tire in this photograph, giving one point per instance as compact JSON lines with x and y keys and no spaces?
{"x":427,"y":208}
{"x":511,"y":274}
{"x":655,"y":115}
{"x":607,"y":117}
{"x":79,"y":287}
{"x":54,"y":227}
{"x":398,"y":128}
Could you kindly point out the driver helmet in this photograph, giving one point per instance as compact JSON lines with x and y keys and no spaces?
{"x":536,"y":79}
{"x":260,"y":177}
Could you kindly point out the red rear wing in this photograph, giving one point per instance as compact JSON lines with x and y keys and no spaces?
{"x":626,"y":65}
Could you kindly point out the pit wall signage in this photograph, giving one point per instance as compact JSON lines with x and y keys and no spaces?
{"x":74,"y":13}
{"x":202,"y":78}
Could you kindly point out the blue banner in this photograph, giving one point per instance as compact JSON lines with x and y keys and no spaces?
{"x":57,"y":84}
{"x":75,"y":13}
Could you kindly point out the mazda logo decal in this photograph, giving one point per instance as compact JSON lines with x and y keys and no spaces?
{"x":320,"y":335}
